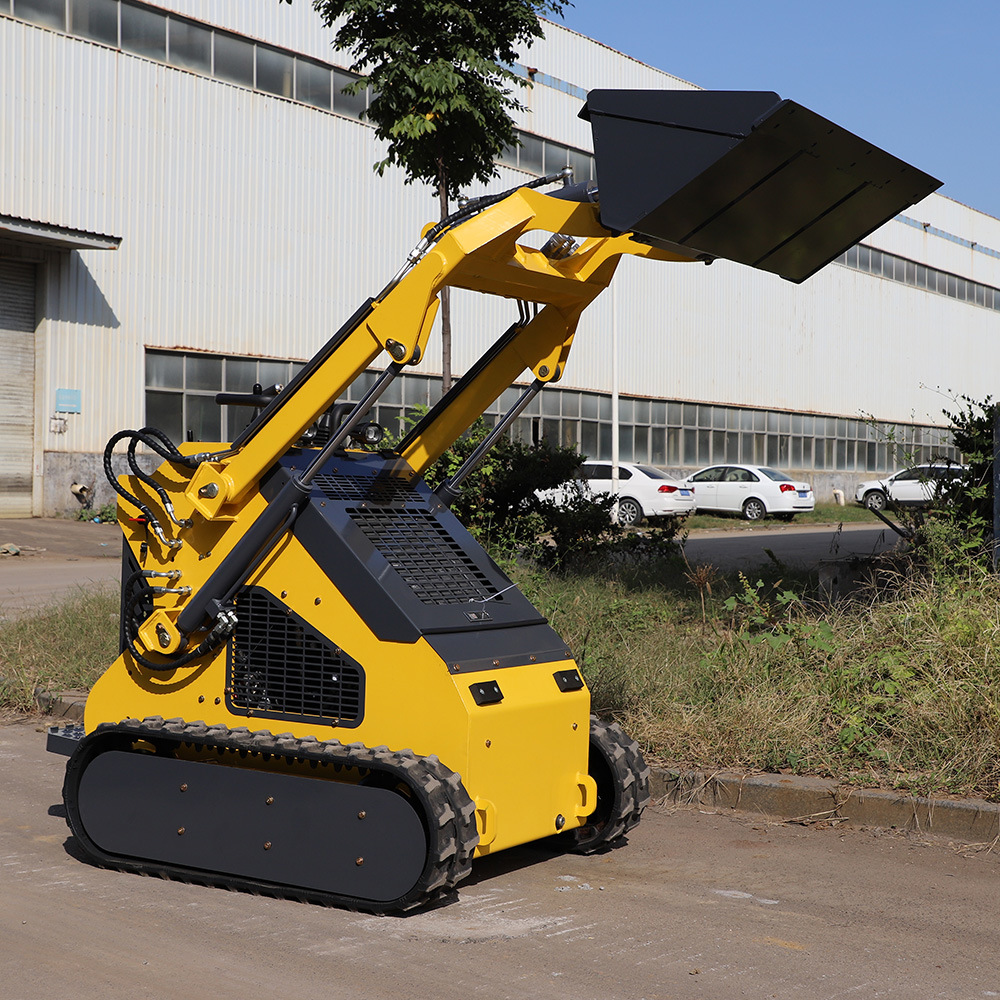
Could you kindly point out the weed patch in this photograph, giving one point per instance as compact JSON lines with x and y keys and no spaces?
{"x":65,"y":647}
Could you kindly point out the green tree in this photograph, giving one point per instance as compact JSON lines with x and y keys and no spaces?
{"x":442,"y":87}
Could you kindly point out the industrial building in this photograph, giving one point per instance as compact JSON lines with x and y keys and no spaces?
{"x":188,"y":205}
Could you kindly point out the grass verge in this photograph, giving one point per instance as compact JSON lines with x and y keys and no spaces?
{"x":824,"y":513}
{"x":895,"y":688}
{"x":61,"y":648}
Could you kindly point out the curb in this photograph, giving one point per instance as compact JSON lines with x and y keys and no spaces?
{"x":794,"y":799}
{"x":65,"y":707}
{"x":777,"y":797}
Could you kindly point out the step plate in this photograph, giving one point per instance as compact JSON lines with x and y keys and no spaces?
{"x":351,"y":840}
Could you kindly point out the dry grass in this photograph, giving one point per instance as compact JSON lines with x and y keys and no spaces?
{"x":898,"y":688}
{"x":65,"y":647}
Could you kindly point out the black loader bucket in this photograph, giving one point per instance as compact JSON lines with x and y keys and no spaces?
{"x":742,"y":175}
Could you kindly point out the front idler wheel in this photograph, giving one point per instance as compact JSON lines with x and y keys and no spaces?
{"x":622,"y":777}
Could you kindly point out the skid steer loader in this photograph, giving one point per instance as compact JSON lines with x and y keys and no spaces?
{"x":326,"y":688}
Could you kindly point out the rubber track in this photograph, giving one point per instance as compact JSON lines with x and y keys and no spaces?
{"x":630,"y":774}
{"x":449,"y":813}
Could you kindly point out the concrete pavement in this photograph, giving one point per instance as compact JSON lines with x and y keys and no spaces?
{"x":699,"y":903}
{"x":55,"y":558}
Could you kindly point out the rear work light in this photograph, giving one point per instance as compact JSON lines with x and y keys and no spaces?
{"x":666,"y":488}
{"x":786,"y":488}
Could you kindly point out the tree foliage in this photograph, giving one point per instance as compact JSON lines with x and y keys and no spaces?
{"x":441,"y":78}
{"x":967,"y":506}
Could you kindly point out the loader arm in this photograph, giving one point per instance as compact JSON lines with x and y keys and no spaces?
{"x":741,"y":175}
{"x":483,"y":255}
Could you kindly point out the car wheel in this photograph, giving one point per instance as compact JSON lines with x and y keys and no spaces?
{"x":875,"y":500}
{"x":754,"y":510}
{"x":629,"y":512}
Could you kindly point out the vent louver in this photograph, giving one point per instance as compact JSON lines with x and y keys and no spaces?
{"x":379,"y":490}
{"x":433,"y":565}
{"x":281,"y":668}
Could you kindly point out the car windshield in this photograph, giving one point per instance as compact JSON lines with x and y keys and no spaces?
{"x":648,"y":470}
{"x":778,"y":477}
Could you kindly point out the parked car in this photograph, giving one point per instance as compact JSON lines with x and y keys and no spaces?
{"x":642,"y":490}
{"x":750,"y":490}
{"x":912,"y":487}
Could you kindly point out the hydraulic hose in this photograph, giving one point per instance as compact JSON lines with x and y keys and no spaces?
{"x":158,"y":442}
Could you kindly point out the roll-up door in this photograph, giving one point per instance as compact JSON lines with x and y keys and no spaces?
{"x":17,"y":400}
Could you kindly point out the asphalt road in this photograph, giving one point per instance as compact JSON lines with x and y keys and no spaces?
{"x":696,"y":905}
{"x":61,"y":557}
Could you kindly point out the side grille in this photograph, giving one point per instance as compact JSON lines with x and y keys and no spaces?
{"x":379,"y":490}
{"x":421,"y":551}
{"x":281,"y":668}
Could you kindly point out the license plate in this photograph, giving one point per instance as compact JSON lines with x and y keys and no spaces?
{"x":685,"y":493}
{"x":803,"y":494}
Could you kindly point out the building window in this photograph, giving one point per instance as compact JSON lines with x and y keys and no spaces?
{"x":144,"y":31}
{"x":51,"y":13}
{"x":233,"y":59}
{"x":181,"y":388}
{"x":190,"y":45}
{"x":95,"y":19}
{"x":908,"y":272}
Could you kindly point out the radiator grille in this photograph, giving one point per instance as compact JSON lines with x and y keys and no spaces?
{"x":279,"y":667}
{"x":379,"y":490}
{"x":421,"y":551}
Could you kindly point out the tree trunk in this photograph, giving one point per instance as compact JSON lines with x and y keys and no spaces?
{"x":445,"y":293}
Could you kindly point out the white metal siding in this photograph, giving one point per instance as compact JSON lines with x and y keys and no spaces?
{"x":255,"y":225}
{"x":17,"y":416}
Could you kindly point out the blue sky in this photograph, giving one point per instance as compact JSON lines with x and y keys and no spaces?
{"x":919,"y":78}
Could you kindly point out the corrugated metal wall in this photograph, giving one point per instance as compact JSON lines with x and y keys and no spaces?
{"x":253,"y":225}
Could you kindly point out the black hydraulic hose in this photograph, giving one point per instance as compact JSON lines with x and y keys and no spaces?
{"x":172,"y":451}
{"x":151,"y":482}
{"x":158,"y":442}
{"x":477,"y":205}
{"x":109,"y":474}
{"x":146,"y":436}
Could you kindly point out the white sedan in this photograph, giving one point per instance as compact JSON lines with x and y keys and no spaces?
{"x":751,"y":490}
{"x":912,"y":487}
{"x":642,"y":490}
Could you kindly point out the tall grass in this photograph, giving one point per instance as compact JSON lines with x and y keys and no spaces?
{"x":60,"y":648}
{"x":898,"y":687}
